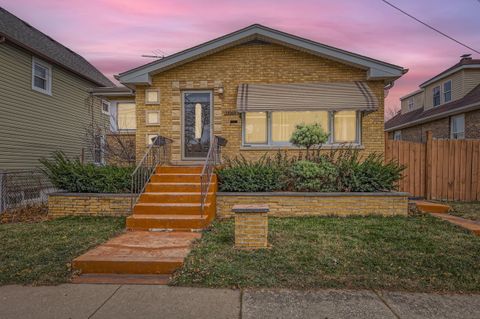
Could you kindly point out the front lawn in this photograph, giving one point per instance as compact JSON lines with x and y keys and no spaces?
{"x":418,"y":253}
{"x":40,"y":253}
{"x":468,"y":210}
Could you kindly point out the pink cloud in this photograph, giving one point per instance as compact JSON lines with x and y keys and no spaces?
{"x":113,"y":34}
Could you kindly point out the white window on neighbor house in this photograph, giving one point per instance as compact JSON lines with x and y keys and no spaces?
{"x":397,"y":135}
{"x":41,"y":76}
{"x":152,"y":117}
{"x":447,"y":91}
{"x":436,"y":96}
{"x":457,"y":127}
{"x":105,"y":107}
{"x":276,"y":128}
{"x":126,"y":118}
{"x":152,"y":96}
{"x":411,"y":104}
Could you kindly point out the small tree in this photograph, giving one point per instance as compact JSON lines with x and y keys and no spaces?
{"x":308,"y":135}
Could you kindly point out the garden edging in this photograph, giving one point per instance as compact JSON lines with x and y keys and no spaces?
{"x":291,"y":204}
{"x":88,"y":204}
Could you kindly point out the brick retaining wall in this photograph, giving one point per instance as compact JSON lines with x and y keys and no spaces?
{"x":291,"y":204}
{"x":88,"y":204}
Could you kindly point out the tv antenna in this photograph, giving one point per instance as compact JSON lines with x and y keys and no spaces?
{"x":157,"y":54}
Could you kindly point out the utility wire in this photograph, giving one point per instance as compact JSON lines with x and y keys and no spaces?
{"x":430,"y":27}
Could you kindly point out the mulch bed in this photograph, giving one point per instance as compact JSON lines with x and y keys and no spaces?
{"x":28,"y":214}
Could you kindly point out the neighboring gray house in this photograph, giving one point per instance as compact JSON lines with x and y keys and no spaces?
{"x":45,"y":106}
{"x":45,"y":99}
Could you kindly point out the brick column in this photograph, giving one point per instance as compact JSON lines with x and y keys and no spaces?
{"x":251,"y":226}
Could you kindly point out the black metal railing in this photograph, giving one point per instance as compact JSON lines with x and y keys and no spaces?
{"x":158,"y":153}
{"x":213,"y":158}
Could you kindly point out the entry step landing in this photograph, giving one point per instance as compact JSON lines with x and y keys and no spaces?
{"x":135,"y":253}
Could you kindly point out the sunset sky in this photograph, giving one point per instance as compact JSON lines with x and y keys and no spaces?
{"x":113,"y":34}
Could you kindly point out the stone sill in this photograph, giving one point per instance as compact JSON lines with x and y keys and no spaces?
{"x":315,"y":194}
{"x":90,"y":194}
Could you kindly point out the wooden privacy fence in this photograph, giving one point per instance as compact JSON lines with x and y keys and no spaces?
{"x":440,"y":169}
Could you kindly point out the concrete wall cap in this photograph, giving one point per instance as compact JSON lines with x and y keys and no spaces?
{"x":315,"y":194}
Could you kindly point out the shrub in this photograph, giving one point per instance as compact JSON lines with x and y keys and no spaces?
{"x":308,"y":135}
{"x":73,"y":176}
{"x":242,"y":175}
{"x":309,"y":176}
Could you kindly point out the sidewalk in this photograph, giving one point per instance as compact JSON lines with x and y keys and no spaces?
{"x":135,"y":301}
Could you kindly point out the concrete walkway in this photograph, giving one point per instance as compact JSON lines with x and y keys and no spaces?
{"x":136,"y":301}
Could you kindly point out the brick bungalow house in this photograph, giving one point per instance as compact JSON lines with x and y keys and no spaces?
{"x":252,"y":87}
{"x":447,"y":104}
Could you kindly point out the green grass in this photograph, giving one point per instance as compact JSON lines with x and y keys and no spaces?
{"x":418,"y":253}
{"x":468,"y":210}
{"x":40,"y":253}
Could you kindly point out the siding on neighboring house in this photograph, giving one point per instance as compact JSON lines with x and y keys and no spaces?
{"x":471,"y":79}
{"x":417,"y":100}
{"x":33,"y":124}
{"x":247,"y":63}
{"x":457,"y":89}
{"x":441,"y":129}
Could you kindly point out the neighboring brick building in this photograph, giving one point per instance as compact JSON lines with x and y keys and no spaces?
{"x":448,"y":105}
{"x":252,"y":86}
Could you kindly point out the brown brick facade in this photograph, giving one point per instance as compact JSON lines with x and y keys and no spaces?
{"x":310,"y":204}
{"x":247,"y":63}
{"x":441,"y":129}
{"x":72,"y":204}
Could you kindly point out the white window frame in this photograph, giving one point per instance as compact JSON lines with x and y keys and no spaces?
{"x":397,"y":135}
{"x":331,"y":130}
{"x":48,"y":79}
{"x":452,"y":133}
{"x":444,"y":92}
{"x":147,"y":123}
{"x":123,"y":130}
{"x":107,"y":103}
{"x":439,"y":95}
{"x":152,"y":102}
{"x":411,"y":103}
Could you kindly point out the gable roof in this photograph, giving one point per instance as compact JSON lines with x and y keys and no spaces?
{"x":462,"y":64}
{"x":376,"y":69}
{"x":469,"y":102}
{"x":24,"y":35}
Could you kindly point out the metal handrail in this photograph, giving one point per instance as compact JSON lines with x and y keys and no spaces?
{"x":156,"y":154}
{"x":213,"y":157}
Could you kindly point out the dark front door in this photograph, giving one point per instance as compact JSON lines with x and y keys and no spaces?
{"x":197,"y":126}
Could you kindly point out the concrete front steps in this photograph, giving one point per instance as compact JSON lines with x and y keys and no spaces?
{"x":165,"y":221}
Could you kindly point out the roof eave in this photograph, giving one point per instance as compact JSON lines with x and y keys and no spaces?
{"x":377,"y":70}
{"x":446,"y":74}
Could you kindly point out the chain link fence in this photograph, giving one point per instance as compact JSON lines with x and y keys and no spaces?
{"x":22,"y":188}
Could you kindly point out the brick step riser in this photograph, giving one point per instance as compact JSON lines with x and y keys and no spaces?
{"x":178,"y":170}
{"x":154,"y":198}
{"x":126,"y":267}
{"x":172,"y":188}
{"x":175,"y":178}
{"x":175,"y":224}
{"x":156,"y":210}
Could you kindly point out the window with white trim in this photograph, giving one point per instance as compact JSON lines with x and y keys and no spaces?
{"x":436,"y":96}
{"x":411,"y":103}
{"x":105,"y":107}
{"x":152,"y":96}
{"x":276,"y":128}
{"x":41,"y":76}
{"x":447,"y":91}
{"x":126,"y":118}
{"x":457,"y":127}
{"x":397,"y":135}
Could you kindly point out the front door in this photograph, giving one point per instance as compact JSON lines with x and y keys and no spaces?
{"x":197,"y":124}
